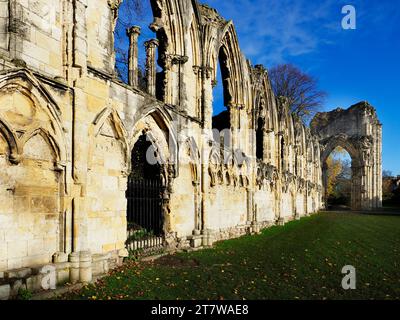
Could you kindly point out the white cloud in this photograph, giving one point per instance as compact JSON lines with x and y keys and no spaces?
{"x":274,"y":31}
{"x":270,"y":32}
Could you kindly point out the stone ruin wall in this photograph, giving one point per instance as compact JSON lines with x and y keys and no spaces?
{"x":359,"y":132}
{"x":68,"y":125}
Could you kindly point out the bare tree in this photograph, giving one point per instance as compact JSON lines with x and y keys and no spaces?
{"x":301,"y":90}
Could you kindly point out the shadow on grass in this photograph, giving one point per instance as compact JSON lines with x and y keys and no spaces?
{"x":385,"y":211}
{"x":300,"y":260}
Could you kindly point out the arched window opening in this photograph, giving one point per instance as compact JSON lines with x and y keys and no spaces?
{"x":338,"y":179}
{"x":222,"y":97}
{"x":283,"y":152}
{"x":260,"y":139}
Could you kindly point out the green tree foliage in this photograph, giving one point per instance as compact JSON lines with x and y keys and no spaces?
{"x":339,"y":178}
{"x":390,"y":188}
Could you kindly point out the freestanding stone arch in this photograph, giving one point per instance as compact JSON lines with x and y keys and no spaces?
{"x":359,"y":132}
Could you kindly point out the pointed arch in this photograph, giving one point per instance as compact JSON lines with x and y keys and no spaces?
{"x":195,"y":44}
{"x":233,"y":66}
{"x":171,"y":31}
{"x":25,"y":83}
{"x":48,"y":139}
{"x":194,"y":156}
{"x":214,"y":167}
{"x":14,"y":149}
{"x":165,"y":125}
{"x":342,"y":141}
{"x":299,"y":137}
{"x":110,"y":114}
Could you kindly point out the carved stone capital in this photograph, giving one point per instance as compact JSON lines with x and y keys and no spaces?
{"x":178,"y":59}
{"x":152,"y":43}
{"x":133,"y":31}
{"x":197,"y":70}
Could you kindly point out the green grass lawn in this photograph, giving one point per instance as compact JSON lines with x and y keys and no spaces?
{"x":301,"y":260}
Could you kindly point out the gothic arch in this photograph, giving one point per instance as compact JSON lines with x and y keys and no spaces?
{"x":25,"y":85}
{"x":171,"y":29}
{"x":195,"y":42}
{"x":358,"y":131}
{"x":47,"y":137}
{"x":30,"y":122}
{"x":233,"y":70}
{"x":106,"y":176}
{"x":119,"y":130}
{"x":286,"y":133}
{"x":158,"y":121}
{"x":155,"y":124}
{"x":168,"y":24}
{"x":194,"y":156}
{"x":342,"y":141}
{"x":265,"y":98}
{"x":14,"y":149}
{"x":214,"y":167}
{"x":265,"y":107}
{"x":300,"y":148}
{"x":190,"y":177}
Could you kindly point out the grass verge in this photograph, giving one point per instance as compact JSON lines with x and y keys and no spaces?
{"x":301,"y":260}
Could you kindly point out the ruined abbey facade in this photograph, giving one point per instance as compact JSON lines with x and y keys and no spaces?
{"x":71,"y":133}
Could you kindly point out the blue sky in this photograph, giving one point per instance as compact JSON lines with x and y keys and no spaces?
{"x":351,"y":65}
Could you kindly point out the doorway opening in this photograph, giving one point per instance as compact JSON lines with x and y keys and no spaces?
{"x":338,"y":180}
{"x":144,"y":200}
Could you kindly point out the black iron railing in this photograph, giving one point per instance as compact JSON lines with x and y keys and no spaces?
{"x":145,"y":216}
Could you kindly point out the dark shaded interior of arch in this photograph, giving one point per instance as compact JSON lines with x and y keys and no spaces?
{"x":260,"y":139}
{"x":223,"y":120}
{"x":225,"y":73}
{"x":144,"y":193}
{"x":141,"y":168}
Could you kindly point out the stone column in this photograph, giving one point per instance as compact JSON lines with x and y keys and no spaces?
{"x":85,"y":266}
{"x":74,"y":269}
{"x":379,"y":166}
{"x":197,"y":208}
{"x":198,"y":75}
{"x":151,"y":47}
{"x":325,"y":184}
{"x":133,"y":34}
{"x":114,"y":6}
